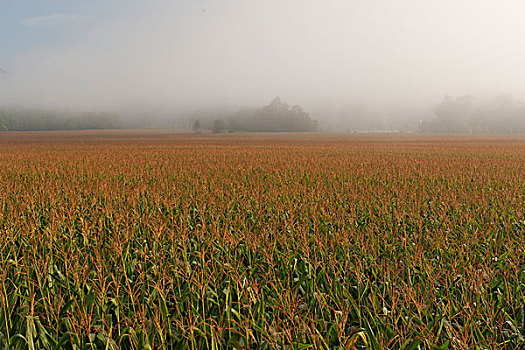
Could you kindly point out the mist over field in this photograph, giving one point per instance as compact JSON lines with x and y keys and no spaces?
{"x":262,"y":174}
{"x":351,"y":65}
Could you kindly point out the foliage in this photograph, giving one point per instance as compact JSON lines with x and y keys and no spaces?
{"x":196,"y":126}
{"x":277,"y":116}
{"x":177,"y":242}
{"x":219,"y":126}
{"x":26,"y":119}
{"x":461,"y":115}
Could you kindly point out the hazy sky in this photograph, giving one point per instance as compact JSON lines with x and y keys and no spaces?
{"x":103,"y":54}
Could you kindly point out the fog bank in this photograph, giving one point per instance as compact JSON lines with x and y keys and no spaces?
{"x":394,"y":60}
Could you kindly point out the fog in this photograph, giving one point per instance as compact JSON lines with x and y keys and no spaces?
{"x":392,"y":61}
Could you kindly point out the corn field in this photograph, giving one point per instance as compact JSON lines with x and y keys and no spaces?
{"x":128,"y":240}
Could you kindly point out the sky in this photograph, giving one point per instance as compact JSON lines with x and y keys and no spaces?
{"x":168,"y":55}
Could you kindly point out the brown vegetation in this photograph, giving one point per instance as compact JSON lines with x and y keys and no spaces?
{"x":134,"y":239}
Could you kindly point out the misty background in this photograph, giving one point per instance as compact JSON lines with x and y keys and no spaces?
{"x":412,"y":65}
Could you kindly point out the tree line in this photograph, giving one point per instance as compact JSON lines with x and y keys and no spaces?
{"x":35,"y":119}
{"x":502,"y":114}
{"x":277,"y":116}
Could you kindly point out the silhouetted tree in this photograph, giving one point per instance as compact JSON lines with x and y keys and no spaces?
{"x":35,"y":119}
{"x":276,"y":116}
{"x":70,"y":124}
{"x":3,"y":122}
{"x":219,"y":126}
{"x":502,"y":115}
{"x":452,"y":115}
{"x":196,"y":126}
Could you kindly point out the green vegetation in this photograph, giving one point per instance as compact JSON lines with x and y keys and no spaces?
{"x":35,"y":119}
{"x":326,"y":243}
{"x":277,"y":116}
{"x":461,"y":115}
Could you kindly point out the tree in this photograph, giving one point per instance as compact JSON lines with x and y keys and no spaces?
{"x":502,"y":114}
{"x":70,"y":124}
{"x":452,"y":115}
{"x":196,"y":126}
{"x":3,"y":122}
{"x":219,"y":126}
{"x":274,"y":117}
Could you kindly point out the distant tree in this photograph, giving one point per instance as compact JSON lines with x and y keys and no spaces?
{"x":35,"y":119}
{"x":70,"y":124}
{"x":219,"y":126}
{"x":196,"y":126}
{"x":3,"y":122}
{"x":274,"y":117}
{"x":453,"y":115}
{"x":502,"y":114}
{"x":98,"y":121}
